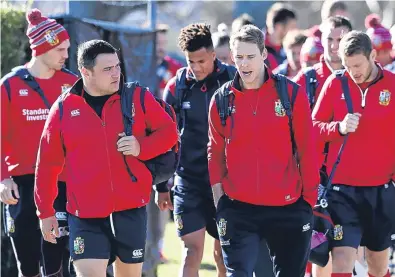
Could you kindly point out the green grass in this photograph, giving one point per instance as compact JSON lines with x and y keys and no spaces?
{"x":172,"y":251}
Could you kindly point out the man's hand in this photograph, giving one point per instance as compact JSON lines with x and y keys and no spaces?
{"x":50,"y":229}
{"x":163,"y":201}
{"x":7,"y":187}
{"x":128,"y":145}
{"x":217,"y":193}
{"x":350,"y":123}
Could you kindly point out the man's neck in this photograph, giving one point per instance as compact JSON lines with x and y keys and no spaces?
{"x":274,"y":40}
{"x":373,"y":74}
{"x":39,"y":70}
{"x":333,"y":66}
{"x":92,"y":91}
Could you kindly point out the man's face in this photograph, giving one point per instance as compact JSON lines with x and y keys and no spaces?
{"x":223,"y":54}
{"x":161,"y":45}
{"x":105,"y":75}
{"x":249,"y":61}
{"x":330,"y":41}
{"x":56,"y":57}
{"x":283,"y":28}
{"x":359,"y":66}
{"x":201,"y":62}
{"x":293,"y":56}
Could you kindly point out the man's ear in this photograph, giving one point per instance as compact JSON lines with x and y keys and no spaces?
{"x":84,"y":72}
{"x":264,"y":54}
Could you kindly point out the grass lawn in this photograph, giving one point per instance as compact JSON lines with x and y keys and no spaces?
{"x":172,"y":251}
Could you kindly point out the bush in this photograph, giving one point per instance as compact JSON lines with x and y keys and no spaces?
{"x":13,"y":36}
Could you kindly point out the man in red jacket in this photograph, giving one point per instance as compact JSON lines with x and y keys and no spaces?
{"x":23,"y":113}
{"x":84,"y":131}
{"x":361,"y":200}
{"x":259,"y":189}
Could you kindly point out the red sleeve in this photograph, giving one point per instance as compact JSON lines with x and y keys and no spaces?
{"x":326,"y":129}
{"x":216,"y":146}
{"x":5,"y":132}
{"x":50,"y":162}
{"x":164,"y":131}
{"x":306,"y":148}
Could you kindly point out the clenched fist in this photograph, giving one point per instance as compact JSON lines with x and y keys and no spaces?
{"x":128,"y":145}
{"x":350,"y":123}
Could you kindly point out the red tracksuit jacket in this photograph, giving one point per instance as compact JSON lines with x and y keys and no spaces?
{"x":369,"y":156}
{"x":257,"y":165}
{"x":97,"y":179}
{"x":23,"y":118}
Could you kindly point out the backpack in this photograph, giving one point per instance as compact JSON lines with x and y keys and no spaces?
{"x":162,"y":167}
{"x":323,"y":226}
{"x":25,"y":76}
{"x":181,"y":92}
{"x":224,"y":100}
{"x":311,"y":84}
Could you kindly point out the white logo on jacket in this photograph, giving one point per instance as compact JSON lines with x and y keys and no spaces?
{"x":23,"y":92}
{"x":75,"y":112}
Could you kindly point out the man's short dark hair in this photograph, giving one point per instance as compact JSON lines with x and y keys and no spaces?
{"x":294,"y":38}
{"x":329,"y":7}
{"x":89,"y":50}
{"x":220,"y":39}
{"x":241,"y":20}
{"x":194,"y":37}
{"x":279,"y":13}
{"x":336,"y":22}
{"x":355,"y":42}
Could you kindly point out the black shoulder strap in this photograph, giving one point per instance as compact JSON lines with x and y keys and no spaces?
{"x":222,"y":102}
{"x":65,"y":70}
{"x":126,"y":106}
{"x":7,"y":86}
{"x":142,"y":98}
{"x":128,"y":120}
{"x":347,"y":97}
{"x":24,"y":74}
{"x":311,"y":84}
{"x":281,"y":83}
{"x":180,"y":88}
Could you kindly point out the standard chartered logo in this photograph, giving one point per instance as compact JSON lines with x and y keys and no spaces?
{"x":34,"y":115}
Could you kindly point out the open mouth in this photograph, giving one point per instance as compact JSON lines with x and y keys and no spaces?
{"x":246,"y":73}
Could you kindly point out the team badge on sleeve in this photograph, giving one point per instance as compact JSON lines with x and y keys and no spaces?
{"x":279,"y":109}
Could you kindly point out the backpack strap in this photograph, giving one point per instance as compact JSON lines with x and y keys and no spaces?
{"x":222,"y":102}
{"x":7,"y":86}
{"x":142,"y":98}
{"x":127,"y":94}
{"x":25,"y":76}
{"x":65,"y":70}
{"x":311,"y":84}
{"x":347,"y":97}
{"x":281,"y":83}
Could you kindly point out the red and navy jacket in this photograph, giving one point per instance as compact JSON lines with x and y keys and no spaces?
{"x":23,"y":114}
{"x":252,"y":155}
{"x":98,"y":182}
{"x":167,"y":70}
{"x":368,"y":158}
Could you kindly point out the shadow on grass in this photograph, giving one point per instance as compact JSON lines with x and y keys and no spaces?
{"x":207,"y":266}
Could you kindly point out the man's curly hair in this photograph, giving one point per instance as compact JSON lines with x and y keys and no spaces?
{"x":195,"y":36}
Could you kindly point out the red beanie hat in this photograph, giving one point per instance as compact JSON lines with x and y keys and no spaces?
{"x":44,"y":33}
{"x":311,"y":50}
{"x":379,"y":35}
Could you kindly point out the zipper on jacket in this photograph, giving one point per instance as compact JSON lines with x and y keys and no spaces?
{"x":76,"y":204}
{"x":363,"y":94}
{"x":103,"y":123}
{"x":108,"y":155}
